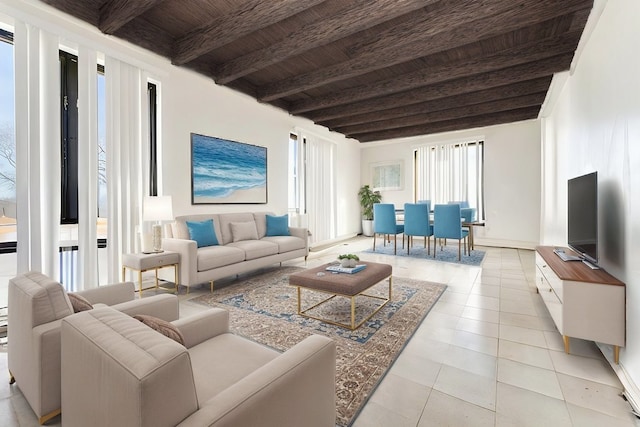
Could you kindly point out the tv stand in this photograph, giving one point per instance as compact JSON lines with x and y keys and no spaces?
{"x":583,"y":303}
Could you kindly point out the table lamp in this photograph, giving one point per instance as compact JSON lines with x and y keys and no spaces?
{"x":157,"y":208}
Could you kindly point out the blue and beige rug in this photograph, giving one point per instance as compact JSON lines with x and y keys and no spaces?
{"x":263,"y":308}
{"x":448,"y":254}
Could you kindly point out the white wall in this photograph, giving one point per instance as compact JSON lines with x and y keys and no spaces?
{"x":193,"y":103}
{"x":512,"y":178}
{"x":594,"y":125}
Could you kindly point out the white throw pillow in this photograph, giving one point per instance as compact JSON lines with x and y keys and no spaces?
{"x":244,"y":231}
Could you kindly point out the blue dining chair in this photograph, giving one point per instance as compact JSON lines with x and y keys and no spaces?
{"x":463,"y":203}
{"x":384,"y":222}
{"x":416,"y":223}
{"x":447,"y":225}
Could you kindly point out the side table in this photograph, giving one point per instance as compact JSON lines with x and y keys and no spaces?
{"x":144,"y":262}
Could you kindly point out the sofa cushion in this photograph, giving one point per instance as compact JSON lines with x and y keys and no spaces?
{"x":286,"y":243}
{"x":202,"y":232}
{"x":244,"y":231}
{"x":218,"y":256}
{"x":256,"y":248}
{"x":79,"y":303}
{"x":278,"y":225}
{"x":162,"y":326}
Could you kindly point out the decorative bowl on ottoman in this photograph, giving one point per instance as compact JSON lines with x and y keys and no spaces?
{"x":348,"y":260}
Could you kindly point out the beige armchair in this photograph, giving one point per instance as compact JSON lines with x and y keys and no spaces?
{"x":37,"y":305}
{"x":116,"y":371}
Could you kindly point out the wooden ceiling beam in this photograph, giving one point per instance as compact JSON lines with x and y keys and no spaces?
{"x":452,"y":125}
{"x":443,"y":72}
{"x":470,"y":98}
{"x":359,"y":16}
{"x":115,"y":13}
{"x":251,"y":16}
{"x":146,"y":35}
{"x":425,"y":34}
{"x":79,"y":8}
{"x":501,"y":105}
{"x":510,"y":75}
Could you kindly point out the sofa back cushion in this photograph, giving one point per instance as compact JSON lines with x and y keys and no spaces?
{"x":225,"y":224}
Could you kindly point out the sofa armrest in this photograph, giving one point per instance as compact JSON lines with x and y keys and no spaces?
{"x":299,"y":232}
{"x":296,"y":388}
{"x":203,"y":326}
{"x":110,"y":294}
{"x":165,"y":307}
{"x":188,"y":250}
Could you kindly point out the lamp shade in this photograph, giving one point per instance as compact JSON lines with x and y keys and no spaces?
{"x":157,"y":208}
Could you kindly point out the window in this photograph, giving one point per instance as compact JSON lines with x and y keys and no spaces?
{"x":152,"y":92}
{"x":448,"y":172}
{"x":8,"y":223}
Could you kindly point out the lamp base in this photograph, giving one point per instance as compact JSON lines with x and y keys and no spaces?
{"x":157,"y":238}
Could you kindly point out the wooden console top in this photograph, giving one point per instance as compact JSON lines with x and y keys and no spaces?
{"x":575,"y":270}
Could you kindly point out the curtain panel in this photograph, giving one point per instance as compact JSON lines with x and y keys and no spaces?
{"x":446,"y":172}
{"x":37,"y":86}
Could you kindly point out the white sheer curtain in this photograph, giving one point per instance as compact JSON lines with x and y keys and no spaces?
{"x":87,"y":274}
{"x":321,"y":206}
{"x":446,"y":172}
{"x":37,"y":85}
{"x":125,"y":179}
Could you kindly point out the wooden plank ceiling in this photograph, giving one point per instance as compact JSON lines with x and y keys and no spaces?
{"x":369,"y":69}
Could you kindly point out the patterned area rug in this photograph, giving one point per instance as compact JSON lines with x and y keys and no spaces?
{"x":263,"y":308}
{"x":448,"y":254}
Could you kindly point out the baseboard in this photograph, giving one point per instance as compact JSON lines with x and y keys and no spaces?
{"x":503,"y":243}
{"x":631,"y":390}
{"x":319,"y":246}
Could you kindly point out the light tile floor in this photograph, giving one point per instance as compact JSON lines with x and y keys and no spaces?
{"x":488,"y":354}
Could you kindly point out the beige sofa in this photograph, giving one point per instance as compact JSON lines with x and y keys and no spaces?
{"x":207,"y":264}
{"x":37,"y":305}
{"x":116,"y":371}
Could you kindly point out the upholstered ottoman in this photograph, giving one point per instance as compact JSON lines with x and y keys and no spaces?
{"x":342,"y":284}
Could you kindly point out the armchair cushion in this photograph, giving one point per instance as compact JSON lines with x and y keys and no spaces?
{"x":79,"y":303}
{"x":162,"y":326}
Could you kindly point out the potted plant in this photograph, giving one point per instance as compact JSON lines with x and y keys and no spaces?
{"x":368,"y":198}
{"x":348,"y":260}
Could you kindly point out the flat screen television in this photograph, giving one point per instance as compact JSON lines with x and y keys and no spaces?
{"x":582,"y":219}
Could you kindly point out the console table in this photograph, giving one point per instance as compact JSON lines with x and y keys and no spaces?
{"x":584,"y":303}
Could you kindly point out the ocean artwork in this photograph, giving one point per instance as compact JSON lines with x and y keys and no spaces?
{"x":224,"y":171}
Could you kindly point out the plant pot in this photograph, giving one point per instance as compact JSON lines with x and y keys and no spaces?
{"x":367,"y":227}
{"x":348,"y":263}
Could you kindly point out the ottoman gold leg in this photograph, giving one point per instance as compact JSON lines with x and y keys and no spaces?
{"x":211,"y":282}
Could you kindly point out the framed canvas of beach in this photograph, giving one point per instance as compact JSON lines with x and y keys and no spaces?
{"x":224,"y":171}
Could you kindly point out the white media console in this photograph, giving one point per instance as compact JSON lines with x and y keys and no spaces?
{"x":584,"y":303}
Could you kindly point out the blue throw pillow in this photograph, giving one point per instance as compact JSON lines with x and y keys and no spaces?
{"x":278,"y":225}
{"x":202,"y":232}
